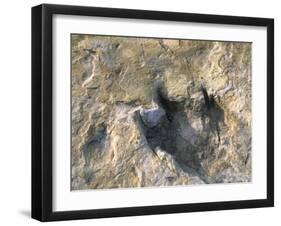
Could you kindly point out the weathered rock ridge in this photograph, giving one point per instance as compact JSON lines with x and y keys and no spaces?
{"x":159,"y":112}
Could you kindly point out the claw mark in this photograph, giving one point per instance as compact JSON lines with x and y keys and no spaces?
{"x":206,"y":97}
{"x":213,"y":112}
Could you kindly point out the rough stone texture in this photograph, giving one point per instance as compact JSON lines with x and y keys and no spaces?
{"x":140,"y":117}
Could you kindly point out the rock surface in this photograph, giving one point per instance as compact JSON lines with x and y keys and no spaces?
{"x":140,"y":117}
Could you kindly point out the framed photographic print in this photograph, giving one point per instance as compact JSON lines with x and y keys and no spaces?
{"x":146,"y":112}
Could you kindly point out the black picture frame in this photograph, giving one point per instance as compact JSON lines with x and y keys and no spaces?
{"x":42,"y":111}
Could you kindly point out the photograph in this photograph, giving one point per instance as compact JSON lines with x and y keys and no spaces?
{"x":158,"y":112}
{"x":140,"y":112}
